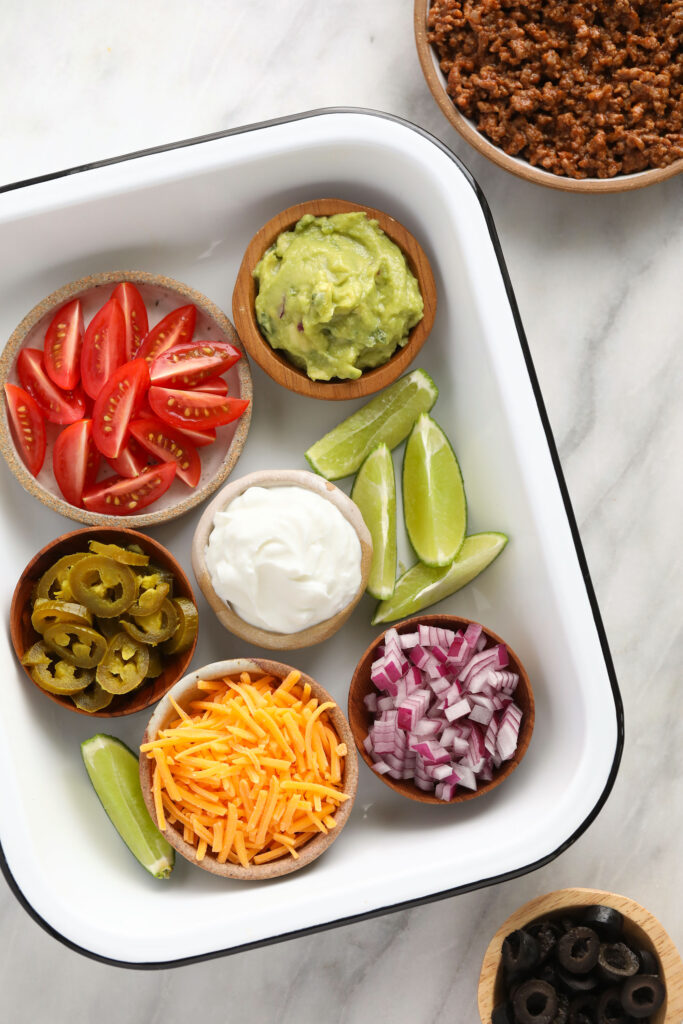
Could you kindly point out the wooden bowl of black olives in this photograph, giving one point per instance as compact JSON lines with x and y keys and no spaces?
{"x":581,"y":956}
{"x":104,"y":621}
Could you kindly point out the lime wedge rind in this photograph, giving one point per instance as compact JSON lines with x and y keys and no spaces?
{"x":423,"y":585}
{"x":434,"y":502}
{"x":387,"y":418}
{"x":374,"y":492}
{"x":113,"y":770}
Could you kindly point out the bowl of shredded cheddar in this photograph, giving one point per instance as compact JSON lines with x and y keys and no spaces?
{"x":249,"y":769}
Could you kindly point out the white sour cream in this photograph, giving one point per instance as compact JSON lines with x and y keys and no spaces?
{"x":284,"y":558}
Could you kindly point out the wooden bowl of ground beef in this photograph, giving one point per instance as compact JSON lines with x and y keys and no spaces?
{"x":585,"y":97}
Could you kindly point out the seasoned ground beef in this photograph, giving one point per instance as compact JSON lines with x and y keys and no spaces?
{"x":587,"y":90}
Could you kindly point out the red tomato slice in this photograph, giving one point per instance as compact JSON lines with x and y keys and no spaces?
{"x":194,"y":408}
{"x":188,"y":365}
{"x":131,"y":461}
{"x":214,"y":386}
{"x":115,"y":405}
{"x":170,"y":446}
{"x":174,"y":329}
{"x":63,"y":342}
{"x":119,"y":496}
{"x":103,"y":347}
{"x":199,"y":438}
{"x":75,"y":460}
{"x":134,"y":315}
{"x":56,"y":405}
{"x":28,"y":427}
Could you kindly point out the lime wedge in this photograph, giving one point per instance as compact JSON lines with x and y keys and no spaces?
{"x":387,"y":419}
{"x":423,"y":585}
{"x":374,"y":492}
{"x":113,"y":771}
{"x":434,"y":503}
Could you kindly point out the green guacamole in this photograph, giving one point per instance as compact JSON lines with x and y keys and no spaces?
{"x":336,"y":295}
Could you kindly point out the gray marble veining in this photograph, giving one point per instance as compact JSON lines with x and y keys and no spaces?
{"x":598,"y":281}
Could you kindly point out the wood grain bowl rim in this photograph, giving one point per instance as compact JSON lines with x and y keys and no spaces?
{"x":278,"y":366}
{"x":226,"y":615}
{"x":637,"y":919}
{"x":44,"y":309}
{"x":185,"y":690}
{"x":147,"y":694}
{"x":521,"y":168}
{"x":359,"y":717}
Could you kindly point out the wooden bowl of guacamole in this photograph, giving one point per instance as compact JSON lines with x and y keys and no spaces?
{"x":333,"y":299}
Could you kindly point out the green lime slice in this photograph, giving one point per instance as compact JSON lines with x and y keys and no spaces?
{"x":434,"y":503}
{"x":423,"y":585}
{"x":387,"y":419}
{"x":113,"y":771}
{"x":374,"y":492}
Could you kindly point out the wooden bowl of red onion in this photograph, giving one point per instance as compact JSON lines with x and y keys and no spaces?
{"x":441,"y":709}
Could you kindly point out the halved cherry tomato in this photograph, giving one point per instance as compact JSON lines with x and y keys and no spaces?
{"x":131,"y":460}
{"x":170,"y":446}
{"x":57,"y":406}
{"x":194,"y":408}
{"x":28,"y":427}
{"x":103,"y":347}
{"x":174,"y":329}
{"x":115,"y":405}
{"x":199,"y":438}
{"x":134,"y":315}
{"x":214,"y":386}
{"x":75,"y":461}
{"x":119,"y":496}
{"x":63,"y":342}
{"x":190,"y":364}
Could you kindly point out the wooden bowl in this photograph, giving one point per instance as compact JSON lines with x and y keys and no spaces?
{"x":360,"y":718}
{"x":161,"y":295}
{"x":639,"y":925}
{"x":278,"y":478}
{"x":24,"y":635}
{"x":277,"y":365}
{"x":186,"y":691}
{"x":522,"y":168}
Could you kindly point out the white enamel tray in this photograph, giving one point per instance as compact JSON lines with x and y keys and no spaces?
{"x":188,"y":212}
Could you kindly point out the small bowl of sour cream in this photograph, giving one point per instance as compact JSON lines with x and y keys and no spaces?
{"x":282,"y":557}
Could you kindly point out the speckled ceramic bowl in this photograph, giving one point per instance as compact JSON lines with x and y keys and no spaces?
{"x":161,"y":295}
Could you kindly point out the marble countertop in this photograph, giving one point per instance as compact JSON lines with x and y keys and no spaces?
{"x":598,"y":281}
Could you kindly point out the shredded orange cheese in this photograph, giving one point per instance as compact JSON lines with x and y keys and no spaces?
{"x":250,"y":772}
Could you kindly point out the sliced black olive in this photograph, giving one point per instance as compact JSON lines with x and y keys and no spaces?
{"x":503,"y":1014}
{"x":520,"y":951}
{"x":562,"y":1015}
{"x":546,"y":934}
{"x":605,"y":921}
{"x":642,"y":995}
{"x":617,"y":961}
{"x":649,"y":964}
{"x":583,"y":1009}
{"x":577,"y":950}
{"x":535,"y":1002}
{"x":576,"y":983}
{"x":610,"y":1010}
{"x":548,"y":972}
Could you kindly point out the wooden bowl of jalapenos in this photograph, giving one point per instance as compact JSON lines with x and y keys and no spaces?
{"x":104,"y":621}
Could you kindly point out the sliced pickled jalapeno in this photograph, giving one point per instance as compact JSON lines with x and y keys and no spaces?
{"x":76,"y":644}
{"x":93,"y":698}
{"x":55,"y":676}
{"x":55,"y":583}
{"x":150,"y":597}
{"x":132,"y":555}
{"x":124,"y":665}
{"x":155,"y":628}
{"x":186,"y":629}
{"x":47,"y":613}
{"x":156,"y":665}
{"x":106,"y":587}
